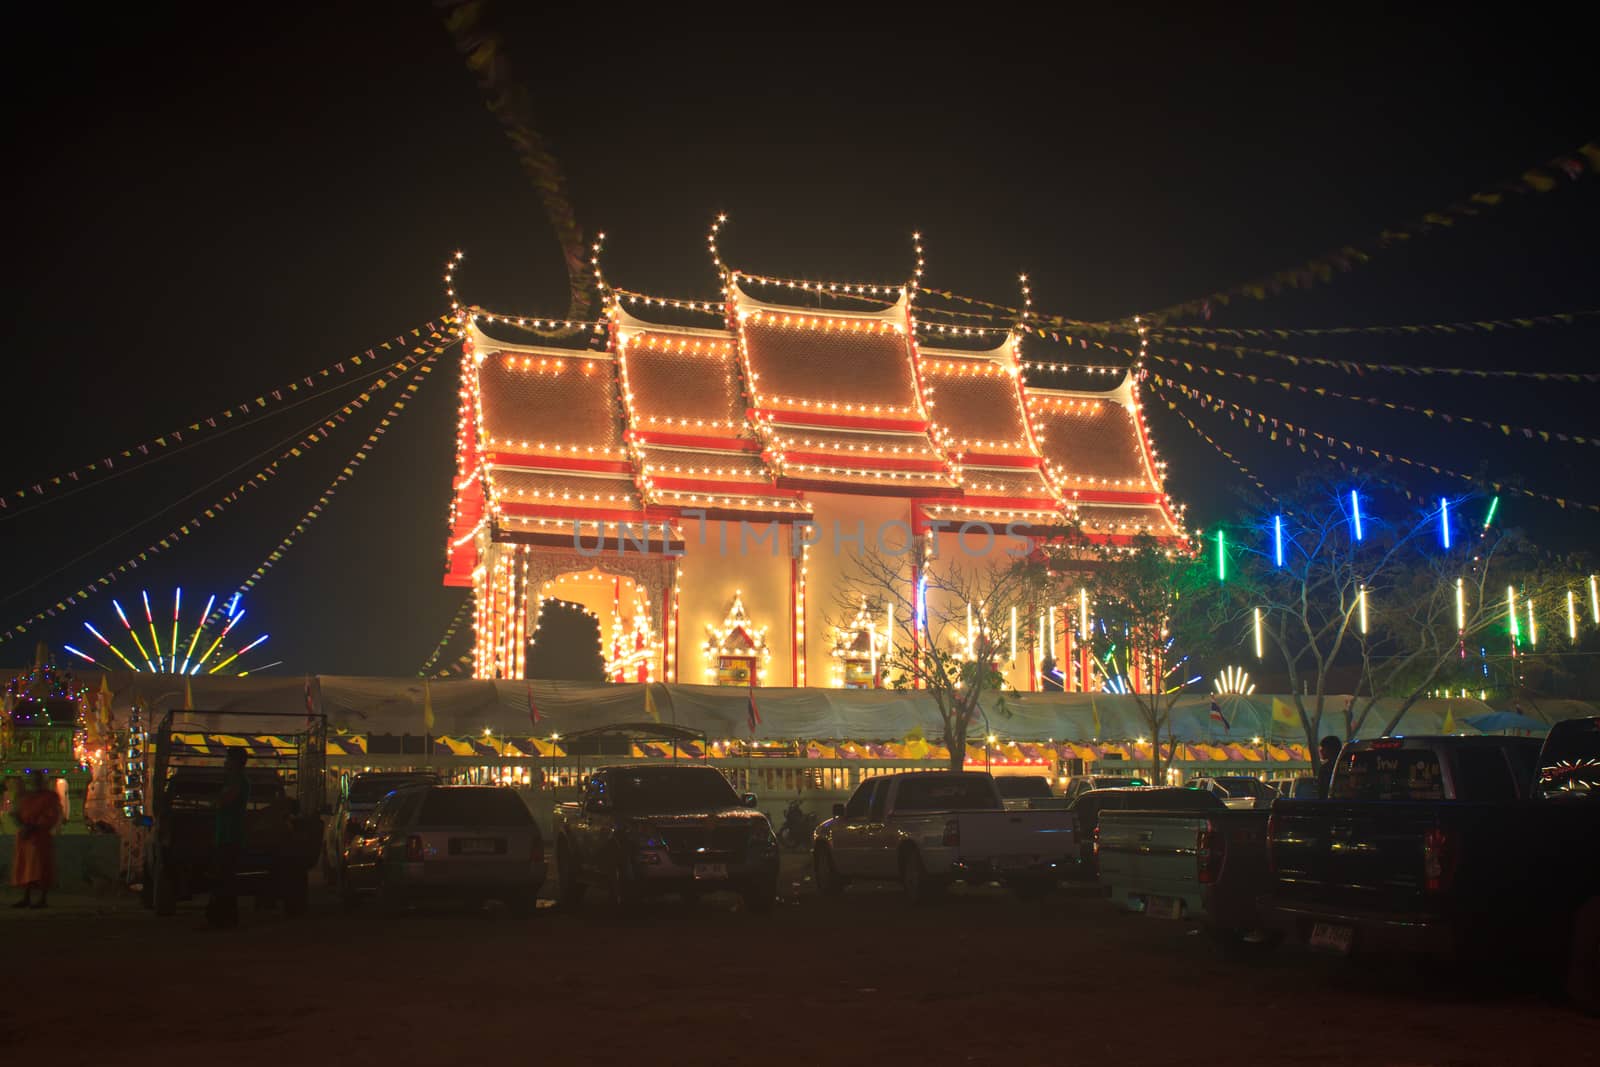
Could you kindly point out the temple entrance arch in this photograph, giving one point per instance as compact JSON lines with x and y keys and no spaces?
{"x":628,"y":598}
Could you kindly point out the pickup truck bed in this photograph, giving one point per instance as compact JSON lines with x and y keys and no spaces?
{"x":1206,"y":866}
{"x":927,"y":829}
{"x":1452,"y":878}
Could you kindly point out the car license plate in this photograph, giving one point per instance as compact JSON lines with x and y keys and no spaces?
{"x":1163,"y":907}
{"x":1332,"y":938}
{"x":479,"y":846}
{"x":711,"y":870}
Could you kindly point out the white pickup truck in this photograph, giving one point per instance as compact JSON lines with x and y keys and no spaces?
{"x":927,"y":829}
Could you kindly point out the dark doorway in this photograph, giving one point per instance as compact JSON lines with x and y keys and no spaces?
{"x":566,"y":644}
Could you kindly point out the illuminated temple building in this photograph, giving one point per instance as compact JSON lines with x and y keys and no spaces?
{"x":715,"y":479}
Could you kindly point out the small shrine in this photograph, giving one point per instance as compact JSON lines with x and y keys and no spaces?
{"x":736,"y":652}
{"x":45,"y":728}
{"x":860,"y":649}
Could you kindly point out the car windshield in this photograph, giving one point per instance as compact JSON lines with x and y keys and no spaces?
{"x":662,"y":790}
{"x":369,"y":789}
{"x":469,"y":806}
{"x":1243,"y":787}
{"x":1388,"y":774}
{"x":946,"y":792}
{"x":1018,"y":787}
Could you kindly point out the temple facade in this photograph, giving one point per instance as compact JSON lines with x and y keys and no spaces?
{"x":705,"y":489}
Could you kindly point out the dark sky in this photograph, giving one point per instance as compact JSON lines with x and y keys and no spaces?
{"x":203,"y":209}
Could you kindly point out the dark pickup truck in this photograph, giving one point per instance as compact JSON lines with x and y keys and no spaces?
{"x":643,"y":830}
{"x":1466,"y":848}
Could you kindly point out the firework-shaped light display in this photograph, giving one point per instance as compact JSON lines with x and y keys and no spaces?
{"x":1233,"y":680}
{"x":212,"y":646}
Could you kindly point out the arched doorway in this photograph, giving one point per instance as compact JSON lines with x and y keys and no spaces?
{"x":565,"y":643}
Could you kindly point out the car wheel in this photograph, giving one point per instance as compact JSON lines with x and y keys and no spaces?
{"x":760,"y":895}
{"x":825,"y":874}
{"x":624,"y":891}
{"x":164,"y":894}
{"x":391,"y":899}
{"x":1583,"y":964}
{"x":914,"y":878}
{"x":295,"y":892}
{"x":568,"y":889}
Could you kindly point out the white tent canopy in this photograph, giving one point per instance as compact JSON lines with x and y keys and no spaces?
{"x":396,"y":706}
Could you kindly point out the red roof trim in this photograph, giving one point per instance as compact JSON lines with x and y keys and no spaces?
{"x":865,"y":461}
{"x":1111,"y":496}
{"x":692,"y":440}
{"x":809,"y":417}
{"x":699,"y":485}
{"x":523,"y":461}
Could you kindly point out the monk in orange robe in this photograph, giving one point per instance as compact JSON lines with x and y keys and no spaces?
{"x":33,"y":862}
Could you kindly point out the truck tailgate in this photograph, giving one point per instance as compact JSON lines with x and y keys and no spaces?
{"x":1017,"y":837}
{"x":1150,"y":853}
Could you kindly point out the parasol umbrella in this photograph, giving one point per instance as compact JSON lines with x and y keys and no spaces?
{"x":1494,"y":722}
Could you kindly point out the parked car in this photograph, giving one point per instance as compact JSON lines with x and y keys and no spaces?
{"x":927,"y":829}
{"x":1430,"y":845}
{"x":1238,"y":790}
{"x":1303,"y":788}
{"x":447,"y":842}
{"x":1208,"y":866}
{"x":682,"y":829}
{"x":1082,"y":783}
{"x":1023,"y":791}
{"x":1086,"y":811}
{"x":357,"y":801}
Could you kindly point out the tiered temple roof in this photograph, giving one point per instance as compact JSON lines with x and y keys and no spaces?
{"x":745,"y":420}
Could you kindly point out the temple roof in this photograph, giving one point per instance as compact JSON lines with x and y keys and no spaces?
{"x":691,"y":442}
{"x":786,"y":401}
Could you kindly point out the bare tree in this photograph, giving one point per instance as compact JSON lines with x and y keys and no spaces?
{"x":952,"y":630}
{"x":1442,"y":607}
{"x":1306,"y":580}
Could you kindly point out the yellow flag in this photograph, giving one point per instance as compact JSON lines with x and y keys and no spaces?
{"x":1284,"y":713}
{"x":1449,"y":719}
{"x":188,"y":695}
{"x":427,"y":707}
{"x":650,"y":705}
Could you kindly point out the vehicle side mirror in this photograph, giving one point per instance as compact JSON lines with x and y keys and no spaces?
{"x":749,"y":800}
{"x":838,"y":811}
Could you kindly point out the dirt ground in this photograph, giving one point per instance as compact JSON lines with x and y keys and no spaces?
{"x":978,"y":978}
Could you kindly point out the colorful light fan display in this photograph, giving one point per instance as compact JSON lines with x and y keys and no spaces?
{"x":210,"y":646}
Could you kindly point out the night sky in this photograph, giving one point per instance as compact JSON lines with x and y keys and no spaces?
{"x":200,"y":211}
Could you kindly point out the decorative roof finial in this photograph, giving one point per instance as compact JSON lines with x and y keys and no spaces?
{"x":723,"y":273}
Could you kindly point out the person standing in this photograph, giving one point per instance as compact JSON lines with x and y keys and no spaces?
{"x":33,"y":861}
{"x":222,"y":905}
{"x":1328,"y":750}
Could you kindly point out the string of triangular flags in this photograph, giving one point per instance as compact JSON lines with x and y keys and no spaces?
{"x":1292,"y":435}
{"x":1570,"y":167}
{"x":461,"y":616}
{"x":218,"y":506}
{"x":233,"y":415}
{"x":348,"y":471}
{"x":1347,"y":366}
{"x":1564,"y":318}
{"x":1504,"y":429}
